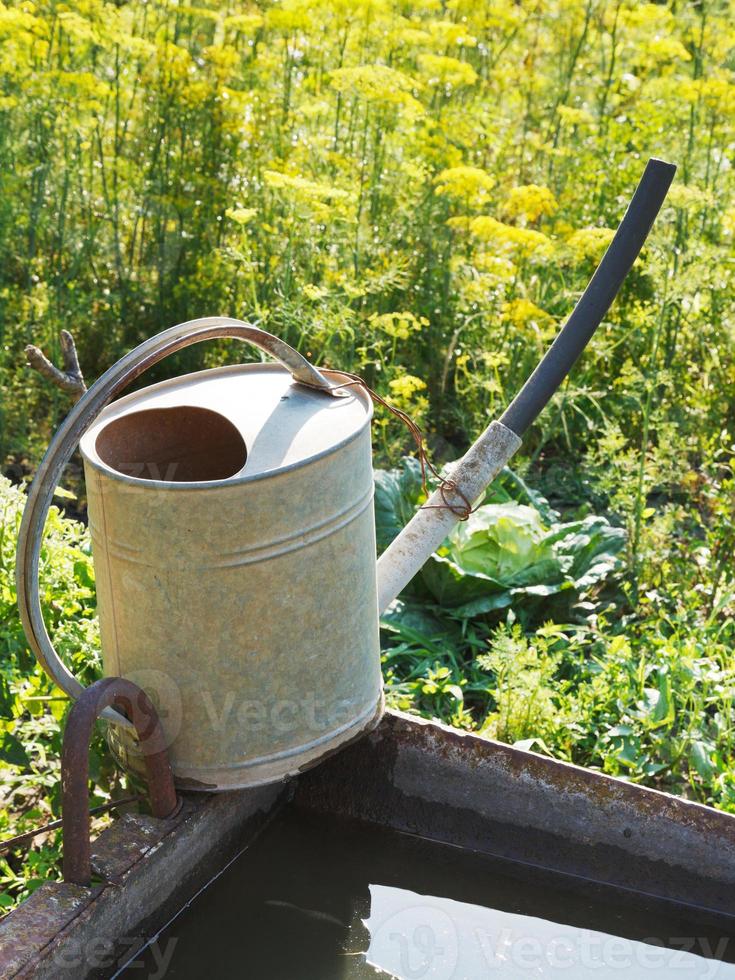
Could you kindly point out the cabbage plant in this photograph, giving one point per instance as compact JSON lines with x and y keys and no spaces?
{"x":513,"y":551}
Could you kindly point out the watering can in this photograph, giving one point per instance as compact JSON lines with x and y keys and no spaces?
{"x":233,"y":537}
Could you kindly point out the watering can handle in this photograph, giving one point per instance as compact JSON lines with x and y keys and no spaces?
{"x":65,"y":441}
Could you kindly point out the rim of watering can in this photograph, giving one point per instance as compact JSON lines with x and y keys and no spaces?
{"x":94,"y":460}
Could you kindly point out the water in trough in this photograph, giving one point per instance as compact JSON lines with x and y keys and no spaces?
{"x":317,"y":898}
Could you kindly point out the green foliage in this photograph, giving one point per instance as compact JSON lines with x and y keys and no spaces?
{"x":647,"y":704}
{"x":32,"y":709}
{"x":397,"y":494}
{"x":523,"y":674}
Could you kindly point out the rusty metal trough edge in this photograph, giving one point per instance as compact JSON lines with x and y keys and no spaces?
{"x":511,"y":785}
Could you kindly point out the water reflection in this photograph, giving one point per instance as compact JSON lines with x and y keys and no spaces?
{"x":422,"y":937}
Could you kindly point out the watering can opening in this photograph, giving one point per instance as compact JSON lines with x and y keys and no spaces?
{"x":184,"y":443}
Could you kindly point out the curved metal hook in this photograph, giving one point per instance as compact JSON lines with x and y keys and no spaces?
{"x":93,"y":700}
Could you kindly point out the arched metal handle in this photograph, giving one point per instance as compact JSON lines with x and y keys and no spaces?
{"x":76,"y":423}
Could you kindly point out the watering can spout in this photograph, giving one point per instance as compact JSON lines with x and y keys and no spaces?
{"x":485,"y":459}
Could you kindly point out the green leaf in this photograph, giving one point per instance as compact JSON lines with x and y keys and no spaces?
{"x":511,"y":487}
{"x":664,"y":711}
{"x":415,"y":621}
{"x":699,"y":760}
{"x":7,"y":698}
{"x":12,"y":752}
{"x":63,"y":494}
{"x":620,"y":730}
{"x":503,"y":541}
{"x":629,"y":753}
{"x":397,"y":494}
{"x":505,"y":555}
{"x":84,"y":572}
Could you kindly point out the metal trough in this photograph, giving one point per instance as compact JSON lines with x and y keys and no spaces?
{"x":667,"y":864}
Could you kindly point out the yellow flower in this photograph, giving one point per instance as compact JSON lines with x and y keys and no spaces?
{"x":648,"y":16}
{"x":314,"y":292}
{"x":82,"y":87}
{"x":522,"y":311}
{"x":223,"y":58}
{"x":412,"y":33}
{"x":443,"y":70}
{"x":488,"y":229}
{"x":301,"y":187}
{"x":378,"y":83}
{"x":243,"y":23}
{"x":530,"y":201}
{"x":590,"y":243}
{"x":406,"y":386}
{"x":404,"y":394}
{"x":77,"y":27}
{"x":140,"y":47}
{"x":177,"y":60}
{"x":494,"y":265}
{"x":728,"y":222}
{"x":449,"y":33}
{"x":662,"y":49}
{"x":241,"y":216}
{"x":398,"y":325}
{"x":469,"y":184}
{"x":571,"y":116}
{"x":689,"y":198}
{"x":204,"y":12}
{"x":288,"y":17}
{"x":477,"y":290}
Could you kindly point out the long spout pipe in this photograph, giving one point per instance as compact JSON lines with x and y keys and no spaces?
{"x":482,"y":462}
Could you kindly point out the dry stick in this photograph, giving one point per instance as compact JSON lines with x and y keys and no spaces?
{"x":71,"y":379}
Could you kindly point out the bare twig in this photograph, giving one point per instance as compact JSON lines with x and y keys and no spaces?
{"x":70,"y":380}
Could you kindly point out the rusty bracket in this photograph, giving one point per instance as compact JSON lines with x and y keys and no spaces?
{"x":137,"y":706}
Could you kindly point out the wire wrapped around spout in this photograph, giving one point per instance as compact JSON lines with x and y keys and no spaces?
{"x":488,"y":455}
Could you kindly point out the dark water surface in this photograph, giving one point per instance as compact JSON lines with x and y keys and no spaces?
{"x":313,"y":894}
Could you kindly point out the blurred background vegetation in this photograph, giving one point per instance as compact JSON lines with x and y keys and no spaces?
{"x":418,"y":192}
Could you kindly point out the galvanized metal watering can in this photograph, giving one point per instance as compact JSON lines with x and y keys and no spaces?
{"x":234,"y":544}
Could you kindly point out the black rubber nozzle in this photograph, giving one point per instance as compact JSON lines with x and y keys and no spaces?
{"x":595,"y":301}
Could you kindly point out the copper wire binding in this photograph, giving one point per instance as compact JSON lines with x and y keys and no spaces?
{"x":446,"y":487}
